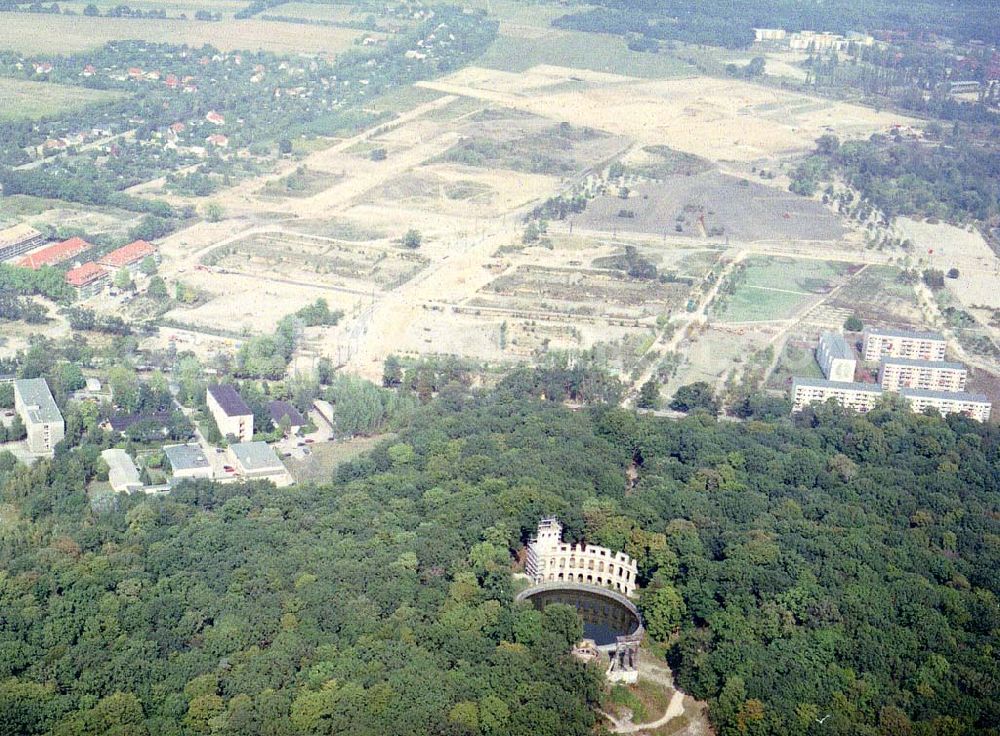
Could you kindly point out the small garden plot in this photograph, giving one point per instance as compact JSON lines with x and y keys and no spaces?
{"x":881,"y":295}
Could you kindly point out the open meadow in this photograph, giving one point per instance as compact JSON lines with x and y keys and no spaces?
{"x":32,"y":33}
{"x":25,"y":99}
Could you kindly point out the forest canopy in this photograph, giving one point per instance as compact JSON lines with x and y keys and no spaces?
{"x":834,"y":564}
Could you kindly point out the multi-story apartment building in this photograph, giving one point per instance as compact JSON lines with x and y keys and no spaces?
{"x":882,"y":343}
{"x":34,"y":404}
{"x":88,"y":280}
{"x":835,"y":357}
{"x":975,"y":406}
{"x":230,"y":411}
{"x":929,"y":375}
{"x":860,"y":397}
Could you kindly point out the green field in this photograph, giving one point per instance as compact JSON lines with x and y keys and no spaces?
{"x":598,"y":52}
{"x":20,"y":98}
{"x":30,"y":33}
{"x":795,"y":360}
{"x":771,"y":288}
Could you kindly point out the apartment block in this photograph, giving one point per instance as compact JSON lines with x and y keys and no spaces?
{"x":881,"y":343}
{"x":835,"y":357}
{"x":974,"y":406}
{"x":927,"y":375}
{"x":34,"y":404}
{"x":231,"y":413}
{"x":860,"y":397}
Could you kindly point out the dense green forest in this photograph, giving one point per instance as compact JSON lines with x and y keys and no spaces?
{"x":954,"y":179}
{"x":834,"y":564}
{"x":730,"y":23}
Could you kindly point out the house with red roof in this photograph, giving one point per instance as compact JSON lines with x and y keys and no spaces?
{"x":218,"y":140}
{"x":215,"y":118}
{"x":55,"y":254}
{"x":88,"y":279}
{"x":130,"y":257}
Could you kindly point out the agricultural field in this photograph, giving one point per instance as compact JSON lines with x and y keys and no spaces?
{"x":21,"y":98}
{"x":878,"y":295}
{"x":49,"y":34}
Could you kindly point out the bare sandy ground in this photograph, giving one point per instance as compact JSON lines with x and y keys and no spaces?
{"x":945,"y":246}
{"x":718,"y":119}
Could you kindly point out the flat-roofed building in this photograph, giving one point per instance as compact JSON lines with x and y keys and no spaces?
{"x":34,"y":404}
{"x":231,"y":413}
{"x":929,"y":375}
{"x":860,"y":397}
{"x":883,"y":343}
{"x":17,"y":240}
{"x":258,"y":460}
{"x":188,"y":461}
{"x":88,"y":280}
{"x":55,"y":254}
{"x":974,"y":406}
{"x":122,"y":473}
{"x":130,"y":257}
{"x":835,"y":357}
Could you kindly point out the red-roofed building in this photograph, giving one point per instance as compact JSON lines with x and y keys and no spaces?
{"x":218,"y":140}
{"x":130,"y":256}
{"x":215,"y":118}
{"x":55,"y":254}
{"x":87,"y":279}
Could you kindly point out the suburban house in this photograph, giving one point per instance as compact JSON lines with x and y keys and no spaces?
{"x":18,"y":240}
{"x":88,"y":279}
{"x":130,"y":256}
{"x":34,"y":404}
{"x":230,"y":411}
{"x":55,"y":254}
{"x":279,"y":411}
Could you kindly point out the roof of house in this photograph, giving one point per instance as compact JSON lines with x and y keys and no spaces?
{"x":88,"y":273}
{"x":186,"y":457}
{"x":127,"y":254}
{"x":54,"y":254}
{"x":280,"y":409}
{"x":919,"y":393}
{"x":17,"y":234}
{"x":230,"y":401}
{"x":122,"y":472}
{"x":842,"y":385}
{"x":913,"y":334}
{"x":915,"y":363}
{"x":37,"y":399}
{"x":836,"y":345}
{"x":256,"y":457}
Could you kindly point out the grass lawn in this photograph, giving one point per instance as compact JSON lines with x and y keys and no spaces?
{"x":324,"y":458}
{"x":60,"y":34}
{"x":20,"y":98}
{"x":795,"y":360}
{"x":792,"y":274}
{"x":514,"y":52}
{"x":751,"y":304}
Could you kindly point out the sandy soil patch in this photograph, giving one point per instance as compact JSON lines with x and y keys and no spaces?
{"x":718,"y":119}
{"x":954,"y":247}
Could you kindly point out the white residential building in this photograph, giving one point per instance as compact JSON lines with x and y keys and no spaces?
{"x":258,"y":460}
{"x":928,"y":375}
{"x":835,"y":357}
{"x":882,"y":343}
{"x":231,"y":413}
{"x":188,"y":462}
{"x":34,"y":404}
{"x":860,"y":397}
{"x":975,"y":406}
